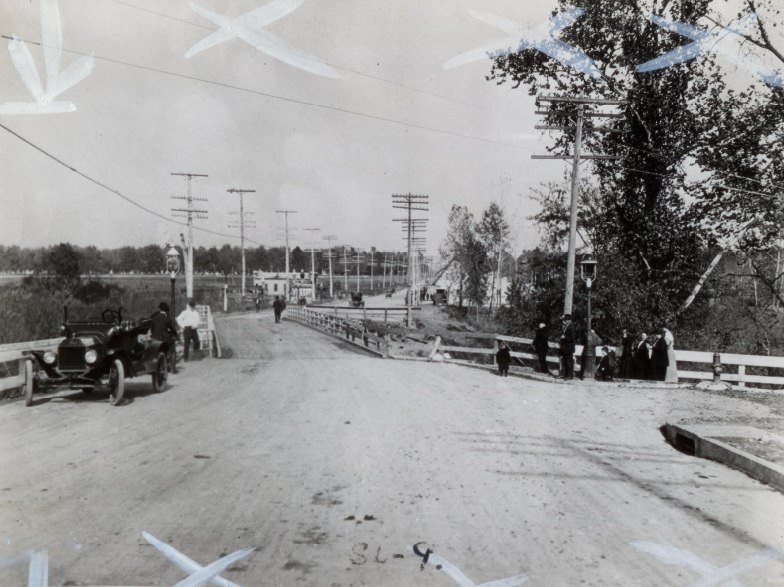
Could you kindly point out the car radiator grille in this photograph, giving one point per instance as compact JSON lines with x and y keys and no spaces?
{"x":72,"y":359}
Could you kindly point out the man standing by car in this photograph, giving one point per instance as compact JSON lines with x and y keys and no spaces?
{"x":164,"y":329}
{"x":189,"y":321}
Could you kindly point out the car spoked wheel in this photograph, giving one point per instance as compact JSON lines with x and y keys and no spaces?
{"x":116,"y":382}
{"x":29,"y":383}
{"x":160,"y":374}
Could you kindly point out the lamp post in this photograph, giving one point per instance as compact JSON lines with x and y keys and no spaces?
{"x":172,"y":267}
{"x":588,"y":275}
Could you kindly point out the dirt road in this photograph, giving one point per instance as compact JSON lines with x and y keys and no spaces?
{"x":333,"y":464}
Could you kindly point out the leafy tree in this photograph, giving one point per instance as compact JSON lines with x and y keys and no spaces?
{"x":633,"y":208}
{"x":493,"y":231}
{"x":63,"y":261}
{"x":453,"y":248}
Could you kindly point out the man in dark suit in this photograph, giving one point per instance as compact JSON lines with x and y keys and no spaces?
{"x":567,"y":346}
{"x":541,"y":346}
{"x":165,"y":329}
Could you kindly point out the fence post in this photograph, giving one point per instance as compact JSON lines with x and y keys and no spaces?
{"x":716,"y":367}
{"x":742,"y":375}
{"x":386,"y":311}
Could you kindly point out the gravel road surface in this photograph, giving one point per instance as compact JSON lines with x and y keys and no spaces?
{"x":333,"y":464}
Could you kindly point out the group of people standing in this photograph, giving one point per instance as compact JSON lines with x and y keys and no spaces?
{"x":648,"y":357}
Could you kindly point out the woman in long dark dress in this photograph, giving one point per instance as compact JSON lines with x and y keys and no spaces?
{"x":641,"y":360}
{"x":627,"y":345}
{"x":659,"y":360}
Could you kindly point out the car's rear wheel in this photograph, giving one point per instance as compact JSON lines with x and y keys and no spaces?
{"x":29,"y":383}
{"x":160,"y":373}
{"x":116,"y":382}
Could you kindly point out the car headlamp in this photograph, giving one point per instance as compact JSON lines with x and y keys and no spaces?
{"x":90,"y":356}
{"x":50,"y":358}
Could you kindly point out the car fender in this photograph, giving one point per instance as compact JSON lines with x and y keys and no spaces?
{"x":111,"y":355}
{"x":151,"y":352}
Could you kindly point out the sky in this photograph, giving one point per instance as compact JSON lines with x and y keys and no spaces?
{"x":332,"y":150}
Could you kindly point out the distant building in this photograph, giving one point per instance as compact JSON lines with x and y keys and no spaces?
{"x":292,"y":287}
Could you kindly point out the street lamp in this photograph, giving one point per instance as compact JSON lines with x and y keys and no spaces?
{"x":588,"y":275}
{"x":172,"y":267}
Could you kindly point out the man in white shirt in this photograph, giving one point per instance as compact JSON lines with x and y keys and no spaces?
{"x":189,"y":321}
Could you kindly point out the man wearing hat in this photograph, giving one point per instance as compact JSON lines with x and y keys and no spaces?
{"x":164,"y":328}
{"x":541,"y":346}
{"x":567,"y":346}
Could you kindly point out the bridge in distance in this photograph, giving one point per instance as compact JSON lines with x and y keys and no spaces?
{"x":334,"y":463}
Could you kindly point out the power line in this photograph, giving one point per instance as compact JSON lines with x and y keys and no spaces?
{"x":288,"y":99}
{"x":348,"y":69}
{"x":110,"y":189}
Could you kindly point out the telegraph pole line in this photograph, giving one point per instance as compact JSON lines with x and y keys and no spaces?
{"x":286,"y":215}
{"x":410,"y":202}
{"x":312,"y":264}
{"x":345,"y":266}
{"x":577,"y":156}
{"x":189,"y":213}
{"x":358,"y":259}
{"x":242,"y":228}
{"x":330,"y":238}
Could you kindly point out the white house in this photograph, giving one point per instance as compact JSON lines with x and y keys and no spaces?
{"x":293,"y":286}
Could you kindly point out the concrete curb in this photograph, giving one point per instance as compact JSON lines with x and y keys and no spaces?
{"x":694,"y":442}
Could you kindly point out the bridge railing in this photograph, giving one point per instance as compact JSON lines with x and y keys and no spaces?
{"x":376,"y":314}
{"x":699,"y":363}
{"x":353,"y":330}
{"x":12,"y":358}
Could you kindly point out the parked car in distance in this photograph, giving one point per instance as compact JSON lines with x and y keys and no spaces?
{"x":356,"y":300}
{"x":98,"y":354}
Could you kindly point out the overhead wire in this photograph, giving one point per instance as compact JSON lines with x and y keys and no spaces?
{"x":341,"y":67}
{"x":285,"y":98}
{"x":113,"y":190}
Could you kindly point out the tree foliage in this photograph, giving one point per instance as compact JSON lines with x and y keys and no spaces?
{"x":648,"y":217}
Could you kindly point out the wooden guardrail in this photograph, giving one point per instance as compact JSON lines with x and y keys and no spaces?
{"x":377,"y":314}
{"x":12,"y":358}
{"x":353,"y":331}
{"x":737,"y":362}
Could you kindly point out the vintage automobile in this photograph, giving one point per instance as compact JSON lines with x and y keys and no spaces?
{"x":356,"y":300}
{"x":98,"y":354}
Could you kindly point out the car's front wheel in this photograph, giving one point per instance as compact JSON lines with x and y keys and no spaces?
{"x":160,"y":373}
{"x":116,"y":382}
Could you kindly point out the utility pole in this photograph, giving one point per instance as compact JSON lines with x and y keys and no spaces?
{"x":358,"y":259}
{"x":189,"y":213}
{"x":345,"y":265}
{"x":329,"y":238}
{"x":242,"y":230}
{"x":288,"y":273}
{"x":312,"y":264}
{"x":580,"y":114}
{"x":410,"y":202}
{"x":372,"y":256}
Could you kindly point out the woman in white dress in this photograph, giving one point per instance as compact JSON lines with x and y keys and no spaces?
{"x":671,"y":375}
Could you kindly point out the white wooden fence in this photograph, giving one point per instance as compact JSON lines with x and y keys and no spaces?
{"x":377,"y":314}
{"x":351,"y":329}
{"x":12,"y":357}
{"x":733,"y":365}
